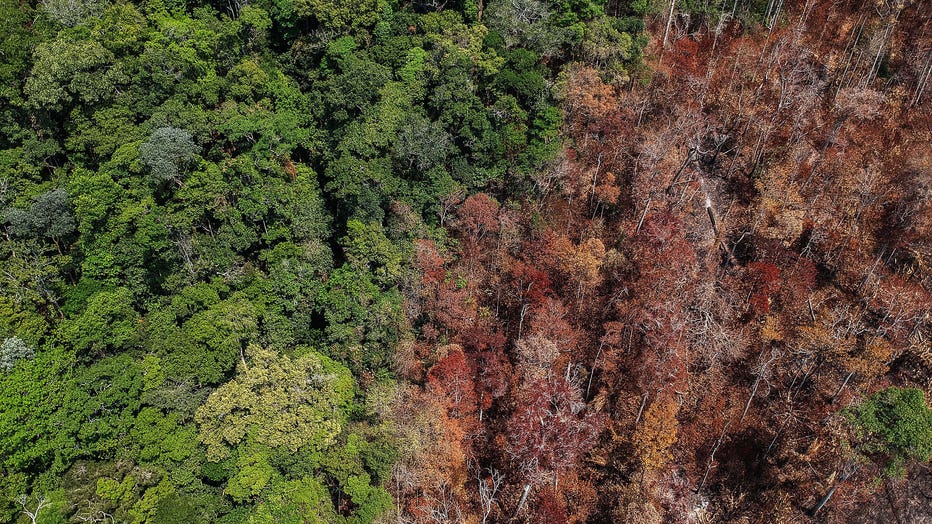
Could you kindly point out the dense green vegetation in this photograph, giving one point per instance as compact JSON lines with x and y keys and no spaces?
{"x":206,"y":213}
{"x":895,"y":426}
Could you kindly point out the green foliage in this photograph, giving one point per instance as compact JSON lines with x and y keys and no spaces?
{"x":68,"y":71}
{"x":167,"y":152}
{"x":276,"y":401}
{"x":71,"y":12}
{"x":206,"y":346}
{"x":31,"y":397}
{"x":49,"y":216}
{"x":106,"y":324}
{"x":161,"y":438}
{"x":189,"y":192}
{"x":368,"y":249}
{"x":894,"y":425}
{"x":363,"y":322}
{"x":100,"y":406}
{"x":528,"y":24}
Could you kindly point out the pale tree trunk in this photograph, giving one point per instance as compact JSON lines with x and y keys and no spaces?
{"x":595,"y":363}
{"x":641,"y":409}
{"x":41,"y":503}
{"x":488,"y":491}
{"x":849,"y":469}
{"x":843,"y":384}
{"x":666,"y":30}
{"x":923,"y":79}
{"x":643,"y":215}
{"x":760,"y":375}
{"x":708,"y":468}
{"x":523,"y":501}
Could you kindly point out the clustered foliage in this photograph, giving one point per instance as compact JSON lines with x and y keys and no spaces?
{"x":207,"y":217}
{"x":542,"y":261}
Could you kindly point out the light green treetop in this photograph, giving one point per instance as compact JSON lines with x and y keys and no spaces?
{"x":277,"y":401}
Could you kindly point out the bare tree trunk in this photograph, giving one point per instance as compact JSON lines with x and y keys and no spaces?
{"x":595,"y":362}
{"x":708,"y":468}
{"x":488,"y":491}
{"x":849,"y":469}
{"x":41,"y":503}
{"x":711,"y":212}
{"x":857,"y":38}
{"x":760,"y":375}
{"x":923,"y":79}
{"x":641,"y":409}
{"x":527,"y":490}
{"x":523,"y":313}
{"x":690,"y":157}
{"x":643,"y":215}
{"x":843,"y":384}
{"x":824,"y":500}
{"x":666,"y":30}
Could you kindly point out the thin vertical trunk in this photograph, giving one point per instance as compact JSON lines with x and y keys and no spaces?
{"x":524,"y":494}
{"x":521,"y":321}
{"x":849,"y":469}
{"x":923,"y":79}
{"x":643,"y":215}
{"x":777,"y":435}
{"x":824,"y":500}
{"x":595,"y":363}
{"x":666,"y":30}
{"x":641,"y":409}
{"x":690,"y":157}
{"x":843,"y":384}
{"x":751,"y":398}
{"x":857,"y":38}
{"x":708,"y":468}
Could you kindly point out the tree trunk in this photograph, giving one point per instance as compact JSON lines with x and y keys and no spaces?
{"x":708,"y":467}
{"x":643,"y":215}
{"x":843,"y":384}
{"x":641,"y":409}
{"x":666,"y":30}
{"x":527,"y":490}
{"x":595,"y":363}
{"x":824,"y":500}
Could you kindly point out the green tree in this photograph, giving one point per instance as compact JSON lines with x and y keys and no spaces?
{"x":340,"y":14}
{"x":167,"y":153}
{"x":100,"y":406}
{"x":363,"y":322}
{"x":894,"y":426}
{"x":422,"y":144}
{"x":277,"y":401}
{"x":206,"y":346}
{"x":368,"y":249}
{"x":107,"y":324}
{"x":71,"y":12}
{"x":49,"y":216}
{"x":68,"y":71}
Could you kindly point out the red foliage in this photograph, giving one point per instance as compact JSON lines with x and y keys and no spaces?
{"x":765,"y":282}
{"x":429,"y":262}
{"x":550,"y":507}
{"x":452,"y":379}
{"x":477,"y":216}
{"x":529,"y":284}
{"x":550,"y":428}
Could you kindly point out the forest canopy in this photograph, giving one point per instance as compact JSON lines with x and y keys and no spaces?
{"x":464,"y":261}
